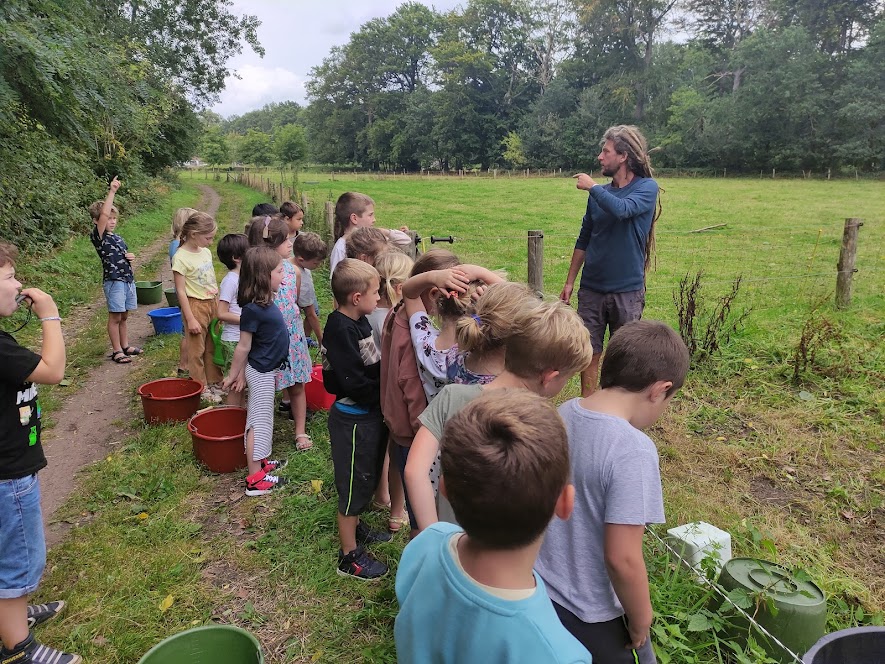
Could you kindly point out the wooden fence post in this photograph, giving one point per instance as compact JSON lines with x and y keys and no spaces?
{"x":536,"y":261}
{"x":330,"y":218}
{"x":845,"y":267}
{"x":304,"y":203}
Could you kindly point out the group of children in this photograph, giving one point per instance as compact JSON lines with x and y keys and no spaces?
{"x":526,"y":522}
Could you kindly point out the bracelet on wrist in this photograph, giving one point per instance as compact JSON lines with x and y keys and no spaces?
{"x":43,"y":320}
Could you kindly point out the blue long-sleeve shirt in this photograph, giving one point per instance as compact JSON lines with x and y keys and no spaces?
{"x":614,"y":233}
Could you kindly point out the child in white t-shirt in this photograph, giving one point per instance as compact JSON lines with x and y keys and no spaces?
{"x":308,"y":251}
{"x":231,"y":249}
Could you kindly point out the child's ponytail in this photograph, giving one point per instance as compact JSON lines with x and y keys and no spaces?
{"x":492,"y":320}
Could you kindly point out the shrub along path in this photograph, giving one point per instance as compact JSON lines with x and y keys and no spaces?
{"x":91,"y":419}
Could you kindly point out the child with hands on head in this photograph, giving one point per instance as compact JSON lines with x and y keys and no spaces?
{"x":548,"y":346}
{"x":593,"y":566}
{"x":263,"y":347}
{"x":117,"y":278}
{"x":22,"y":542}
{"x":197,"y":288}
{"x":471,"y":595}
{"x":424,"y":296}
{"x":273,"y":232}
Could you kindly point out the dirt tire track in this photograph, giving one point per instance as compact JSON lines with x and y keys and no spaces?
{"x":91,"y":418}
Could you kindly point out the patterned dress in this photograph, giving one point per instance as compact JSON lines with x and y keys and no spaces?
{"x":298,"y":369}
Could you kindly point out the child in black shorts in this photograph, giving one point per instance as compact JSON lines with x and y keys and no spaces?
{"x":358,"y":436}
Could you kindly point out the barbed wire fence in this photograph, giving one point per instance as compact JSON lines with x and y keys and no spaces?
{"x":788,"y":271}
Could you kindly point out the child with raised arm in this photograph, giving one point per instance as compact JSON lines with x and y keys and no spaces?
{"x":357,"y":435}
{"x":593,"y":566}
{"x":22,"y":543}
{"x":471,"y":596}
{"x":309,"y":251}
{"x":435,"y":347}
{"x":549,"y":346}
{"x":262,"y":348}
{"x":197,"y":290}
{"x":231,"y":249}
{"x":117,"y":277}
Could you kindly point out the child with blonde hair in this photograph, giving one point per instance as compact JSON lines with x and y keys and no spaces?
{"x":402,"y":394}
{"x":549,"y":344}
{"x":178,"y":218}
{"x":291,"y":378}
{"x":197,"y":288}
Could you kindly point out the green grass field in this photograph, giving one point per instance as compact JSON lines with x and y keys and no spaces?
{"x":794,"y":472}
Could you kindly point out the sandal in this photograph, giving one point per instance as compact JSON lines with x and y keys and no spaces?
{"x":394,"y":523}
{"x":378,"y":506}
{"x":120,"y":357}
{"x":133,"y":350}
{"x":303,"y":442}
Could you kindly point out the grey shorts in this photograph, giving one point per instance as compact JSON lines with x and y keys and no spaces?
{"x":611,"y":310}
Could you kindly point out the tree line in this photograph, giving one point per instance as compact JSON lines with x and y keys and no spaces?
{"x":90,"y":89}
{"x":742,"y":85}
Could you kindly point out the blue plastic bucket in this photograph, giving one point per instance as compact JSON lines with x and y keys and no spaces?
{"x":166,"y":320}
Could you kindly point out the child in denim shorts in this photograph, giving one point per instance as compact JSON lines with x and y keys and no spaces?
{"x":22,"y":544}
{"x":117,"y":277}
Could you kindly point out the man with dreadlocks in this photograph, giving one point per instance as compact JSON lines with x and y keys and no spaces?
{"x":616,"y":241}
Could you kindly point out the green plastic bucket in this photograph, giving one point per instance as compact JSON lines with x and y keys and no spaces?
{"x":171,"y":296}
{"x":149,"y":292}
{"x":211,"y":644}
{"x":801,"y":606}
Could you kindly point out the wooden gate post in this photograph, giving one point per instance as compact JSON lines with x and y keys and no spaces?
{"x":304,"y":203}
{"x":845,"y":267}
{"x":412,"y":250}
{"x":330,"y":218}
{"x":536,"y":261}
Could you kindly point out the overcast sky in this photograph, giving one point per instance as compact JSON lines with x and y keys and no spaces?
{"x":296,"y":35}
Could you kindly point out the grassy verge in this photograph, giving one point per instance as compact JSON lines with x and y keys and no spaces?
{"x":739,"y":448}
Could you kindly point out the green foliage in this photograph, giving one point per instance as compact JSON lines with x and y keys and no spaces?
{"x":254,"y":148}
{"x":290,"y":144}
{"x":419,"y":89}
{"x":513,"y":153}
{"x":92,"y":90}
{"x":215,"y":149}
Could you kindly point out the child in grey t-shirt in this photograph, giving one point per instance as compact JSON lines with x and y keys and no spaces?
{"x":592,"y":564}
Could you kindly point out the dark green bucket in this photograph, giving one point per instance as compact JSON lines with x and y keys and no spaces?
{"x":211,"y":644}
{"x":801,"y":607}
{"x":171,"y":297}
{"x":149,"y":292}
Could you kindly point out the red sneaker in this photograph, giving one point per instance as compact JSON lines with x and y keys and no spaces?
{"x":262,"y":483}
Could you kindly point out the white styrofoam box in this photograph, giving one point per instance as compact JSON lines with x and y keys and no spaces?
{"x":698,"y":540}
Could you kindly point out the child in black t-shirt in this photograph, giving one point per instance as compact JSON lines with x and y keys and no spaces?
{"x":22,"y":544}
{"x":357,"y":435}
{"x":262,"y":348}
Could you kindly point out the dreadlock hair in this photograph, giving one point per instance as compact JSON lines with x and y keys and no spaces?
{"x":628,"y":140}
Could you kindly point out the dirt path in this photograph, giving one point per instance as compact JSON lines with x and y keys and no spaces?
{"x":91,"y":419}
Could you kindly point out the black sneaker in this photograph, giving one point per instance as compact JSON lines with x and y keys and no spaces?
{"x":31,"y":652}
{"x":365,"y":535}
{"x":40,"y":613}
{"x":358,"y":564}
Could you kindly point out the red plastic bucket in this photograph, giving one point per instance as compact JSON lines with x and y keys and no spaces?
{"x":217,"y":434}
{"x":170,"y":399}
{"x":315,"y":391}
